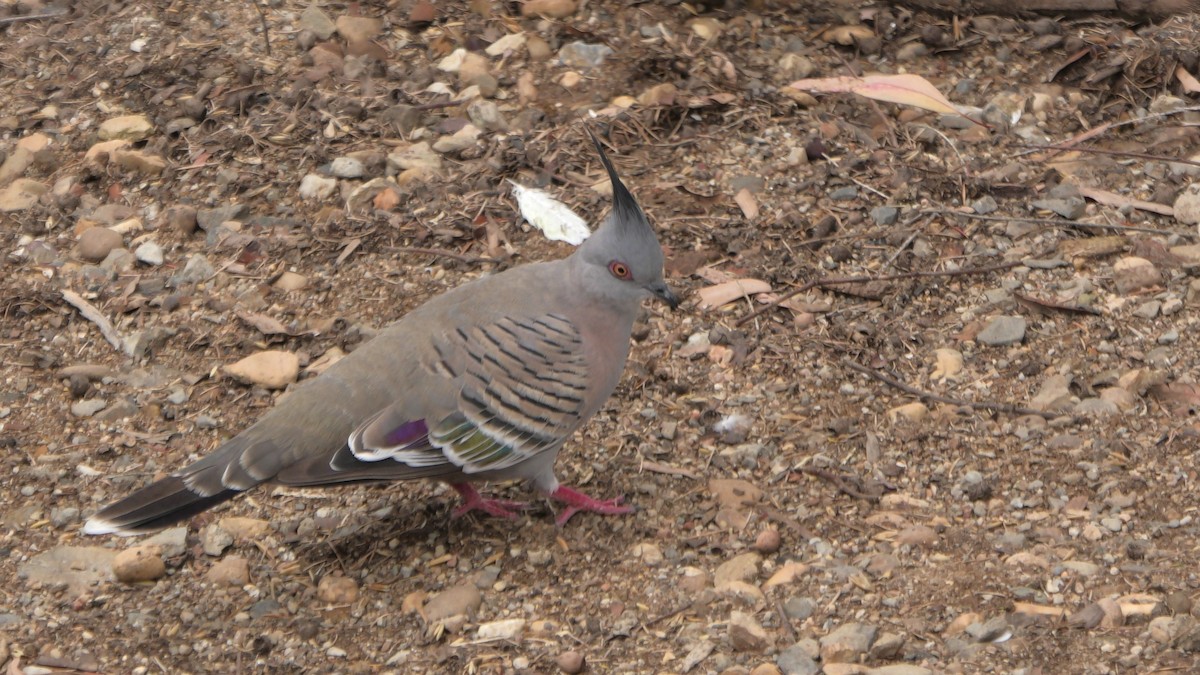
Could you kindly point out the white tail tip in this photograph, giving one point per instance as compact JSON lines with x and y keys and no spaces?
{"x":93,"y":526}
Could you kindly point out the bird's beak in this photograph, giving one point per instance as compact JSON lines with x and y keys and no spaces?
{"x":663,"y":292}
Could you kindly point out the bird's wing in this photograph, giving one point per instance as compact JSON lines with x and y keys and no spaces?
{"x":522,"y":390}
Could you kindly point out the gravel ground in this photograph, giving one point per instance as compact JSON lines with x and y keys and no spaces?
{"x":941,"y":423}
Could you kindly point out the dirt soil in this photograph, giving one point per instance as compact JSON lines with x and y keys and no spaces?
{"x":980,"y":461}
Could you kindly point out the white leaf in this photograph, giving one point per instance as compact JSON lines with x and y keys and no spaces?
{"x":555,"y":219}
{"x":453,"y":62}
{"x":508,"y":43}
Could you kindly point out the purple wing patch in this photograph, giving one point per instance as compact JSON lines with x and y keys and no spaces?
{"x":406,"y":434}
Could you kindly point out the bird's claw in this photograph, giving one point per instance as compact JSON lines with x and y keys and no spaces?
{"x":576,"y":501}
{"x":473,"y":501}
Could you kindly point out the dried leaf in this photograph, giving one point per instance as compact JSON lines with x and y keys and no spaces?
{"x":351,"y":246}
{"x":1183,"y":397}
{"x":1138,"y":604}
{"x":1071,"y":164}
{"x":1189,"y":83}
{"x":748,"y":203}
{"x":1038,"y":610}
{"x":414,"y":603}
{"x":91,"y":313}
{"x":847,"y":35}
{"x":715,"y":296}
{"x":710,"y":99}
{"x":1092,"y":247}
{"x":904,"y":89}
{"x":949,"y":364}
{"x":1040,"y":305}
{"x":386,"y":200}
{"x":1113,"y":199}
{"x":657,"y":467}
{"x":734,"y":493}
{"x":555,"y":219}
{"x":330,"y":357}
{"x":263,"y":323}
{"x":268,"y":325}
{"x":787,"y":574}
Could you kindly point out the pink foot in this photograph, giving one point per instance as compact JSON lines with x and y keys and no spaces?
{"x":577,"y":501}
{"x":473,"y":501}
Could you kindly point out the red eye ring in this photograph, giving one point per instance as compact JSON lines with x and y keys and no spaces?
{"x":620,"y":270}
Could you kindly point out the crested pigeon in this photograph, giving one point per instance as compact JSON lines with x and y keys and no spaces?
{"x":484,"y":382}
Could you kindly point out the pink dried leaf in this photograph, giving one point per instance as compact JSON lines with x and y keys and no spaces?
{"x":715,"y":296}
{"x":906,"y":89}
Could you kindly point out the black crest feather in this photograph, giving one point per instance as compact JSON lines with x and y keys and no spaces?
{"x":625,"y":207}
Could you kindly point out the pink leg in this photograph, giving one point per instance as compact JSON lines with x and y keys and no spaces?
{"x":576,"y":501}
{"x":473,"y":501}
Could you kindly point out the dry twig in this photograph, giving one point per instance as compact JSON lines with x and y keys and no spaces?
{"x":262,"y":16}
{"x":785,"y":621}
{"x":862,"y":280}
{"x":443,"y":253}
{"x":837,"y":482}
{"x":1114,"y":153}
{"x":32,"y":17}
{"x":91,"y":313}
{"x":1058,"y":222}
{"x":930,"y":396}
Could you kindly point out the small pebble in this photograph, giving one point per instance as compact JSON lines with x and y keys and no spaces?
{"x":97,"y":242}
{"x":231,"y":571}
{"x":149,"y":253}
{"x":767,"y":541}
{"x":88,"y":407}
{"x":347,"y":167}
{"x":337,"y":590}
{"x":1003,"y":331}
{"x":571,"y":662}
{"x":140,"y":563}
{"x":317,"y":188}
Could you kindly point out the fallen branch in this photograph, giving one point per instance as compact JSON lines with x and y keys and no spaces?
{"x":670,"y":614}
{"x":1095,"y":132}
{"x":32,"y":17}
{"x":262,"y":16}
{"x":441,"y":252}
{"x":862,"y":280}
{"x":785,"y":621}
{"x":441,"y":104}
{"x":667,"y":469}
{"x":1058,"y":222}
{"x":838,"y":482}
{"x":930,"y":396}
{"x":1135,"y":9}
{"x":773,"y":514}
{"x":1115,"y":153}
{"x":91,"y":313}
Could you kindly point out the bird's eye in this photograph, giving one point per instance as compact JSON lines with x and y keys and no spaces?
{"x":620,"y":270}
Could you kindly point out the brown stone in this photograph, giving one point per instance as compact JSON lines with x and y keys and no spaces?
{"x":140,"y":563}
{"x":337,"y":590}
{"x":231,"y":571}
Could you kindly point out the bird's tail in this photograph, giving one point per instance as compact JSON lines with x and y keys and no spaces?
{"x":199,"y":487}
{"x":154,"y":507}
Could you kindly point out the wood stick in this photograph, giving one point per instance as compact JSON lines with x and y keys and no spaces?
{"x":930,"y":396}
{"x":1058,"y":222}
{"x":91,"y":313}
{"x":1137,"y":9}
{"x":862,"y":280}
{"x":441,"y":252}
{"x":31,"y":17}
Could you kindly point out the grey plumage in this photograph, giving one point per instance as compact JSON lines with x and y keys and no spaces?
{"x":484,"y":382}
